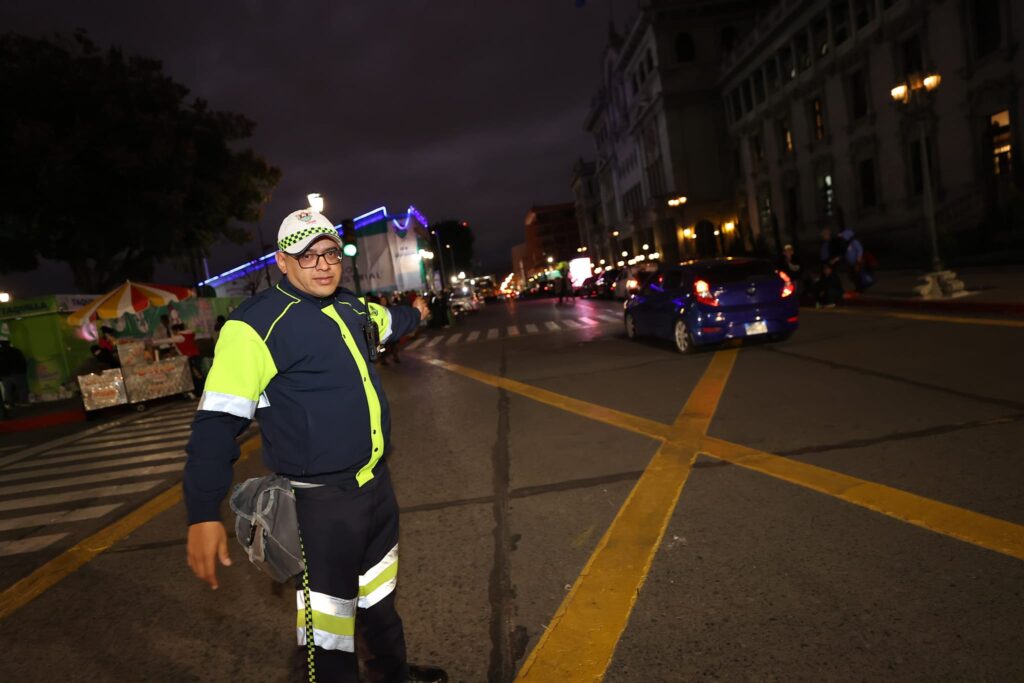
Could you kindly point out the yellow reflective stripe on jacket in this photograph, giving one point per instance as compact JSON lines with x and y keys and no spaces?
{"x":242,"y":365}
{"x":372,"y":400}
{"x":382,"y":316}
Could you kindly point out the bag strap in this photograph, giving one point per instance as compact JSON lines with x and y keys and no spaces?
{"x":310,"y":645}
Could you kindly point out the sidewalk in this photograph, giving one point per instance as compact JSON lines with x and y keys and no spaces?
{"x":993,"y":291}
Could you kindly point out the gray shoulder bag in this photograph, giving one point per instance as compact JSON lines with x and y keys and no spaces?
{"x":267,"y":526}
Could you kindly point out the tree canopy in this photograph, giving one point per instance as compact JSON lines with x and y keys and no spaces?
{"x":109,"y":167}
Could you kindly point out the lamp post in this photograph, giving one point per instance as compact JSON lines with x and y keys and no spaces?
{"x":915,"y":95}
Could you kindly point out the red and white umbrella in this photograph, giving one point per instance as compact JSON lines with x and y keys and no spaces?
{"x":131,"y":297}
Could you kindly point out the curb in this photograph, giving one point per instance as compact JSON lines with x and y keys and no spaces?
{"x":27,"y":424}
{"x":1011,"y":308}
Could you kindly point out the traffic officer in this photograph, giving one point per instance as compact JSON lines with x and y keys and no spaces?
{"x":296,"y":356}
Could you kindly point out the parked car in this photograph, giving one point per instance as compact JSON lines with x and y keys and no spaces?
{"x":631,"y":278}
{"x":604,"y":285}
{"x":464,"y":300}
{"x":708,"y":301}
{"x":587,"y":288}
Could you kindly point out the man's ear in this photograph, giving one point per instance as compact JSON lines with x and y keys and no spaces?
{"x":282,"y":262}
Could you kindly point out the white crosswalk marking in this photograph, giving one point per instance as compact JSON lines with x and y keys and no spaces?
{"x":89,"y":479}
{"x":513,"y":331}
{"x":45,"y":461}
{"x":28,"y":545}
{"x":5,"y":449}
{"x":492,"y":333}
{"x":454,"y":339}
{"x":84,"y":494}
{"x":83,"y":446}
{"x":552,"y":325}
{"x":170,"y":423}
{"x":589,"y":321}
{"x":434,"y":342}
{"x":415,"y":343}
{"x":569,"y":322}
{"x":85,"y":467}
{"x":531,"y":328}
{"x":473,"y":335}
{"x":59,"y":517}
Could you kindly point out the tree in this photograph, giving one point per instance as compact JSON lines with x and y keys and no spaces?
{"x":109,"y":168}
{"x":458,"y":234}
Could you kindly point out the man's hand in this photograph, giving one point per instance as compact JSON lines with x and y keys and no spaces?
{"x":207,"y":543}
{"x":420,"y":305}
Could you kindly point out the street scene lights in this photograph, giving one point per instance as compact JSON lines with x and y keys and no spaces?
{"x":915,"y":95}
{"x":677,"y":201}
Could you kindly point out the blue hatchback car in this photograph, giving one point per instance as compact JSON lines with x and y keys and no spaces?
{"x":711,"y":300}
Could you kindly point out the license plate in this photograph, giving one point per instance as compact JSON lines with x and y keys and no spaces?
{"x":760,"y":327}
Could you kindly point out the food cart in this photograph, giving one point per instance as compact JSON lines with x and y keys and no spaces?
{"x":143,"y":376}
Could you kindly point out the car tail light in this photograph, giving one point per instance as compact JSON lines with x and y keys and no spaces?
{"x":794,"y":319}
{"x":631,"y":283}
{"x":787,"y":285}
{"x":702,"y":292}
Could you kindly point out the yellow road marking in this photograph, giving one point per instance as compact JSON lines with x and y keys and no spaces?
{"x":56,"y":570}
{"x":615,"y":418}
{"x":580,"y":640}
{"x":975,"y":528}
{"x":957,"y":320}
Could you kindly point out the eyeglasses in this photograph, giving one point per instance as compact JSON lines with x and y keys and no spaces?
{"x":311,"y":259}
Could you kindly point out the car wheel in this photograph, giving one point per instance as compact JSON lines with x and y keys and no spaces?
{"x":681,"y":337}
{"x":630,"y":326}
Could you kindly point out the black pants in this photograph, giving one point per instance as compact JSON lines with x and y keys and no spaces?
{"x":350,"y":536}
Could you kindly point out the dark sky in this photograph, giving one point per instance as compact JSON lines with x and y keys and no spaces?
{"x":467,"y":109}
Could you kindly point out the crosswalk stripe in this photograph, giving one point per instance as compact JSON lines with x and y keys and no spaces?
{"x":183,"y":419}
{"x":90,"y":479}
{"x":612,"y":317}
{"x":4,"y":449}
{"x":589,"y":321}
{"x":83,"y":446}
{"x":454,"y":339}
{"x":531,"y":328}
{"x":552,"y":325}
{"x":85,"y":467}
{"x":91,"y":455}
{"x":473,"y":335}
{"x":170,"y":430}
{"x":415,"y":343}
{"x":492,"y":333}
{"x":569,"y":322}
{"x":513,"y":331}
{"x":59,"y":517}
{"x":434,"y":342}
{"x":28,"y":545}
{"x":83,"y":494}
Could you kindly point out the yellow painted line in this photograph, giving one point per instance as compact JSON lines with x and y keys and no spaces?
{"x":56,"y":570}
{"x":610,"y":416}
{"x":579,"y":642}
{"x":971,"y":527}
{"x":926,"y":317}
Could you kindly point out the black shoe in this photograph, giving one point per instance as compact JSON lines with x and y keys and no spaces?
{"x":426,"y":674}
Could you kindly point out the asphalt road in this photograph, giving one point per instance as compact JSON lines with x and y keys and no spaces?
{"x":845,"y":505}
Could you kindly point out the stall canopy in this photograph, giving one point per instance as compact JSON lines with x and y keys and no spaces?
{"x":131,"y":297}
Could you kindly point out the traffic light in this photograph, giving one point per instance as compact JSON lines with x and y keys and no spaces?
{"x":350,"y":249}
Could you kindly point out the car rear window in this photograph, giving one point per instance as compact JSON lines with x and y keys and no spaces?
{"x":721,"y":273}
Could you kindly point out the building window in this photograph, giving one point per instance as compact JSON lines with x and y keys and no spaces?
{"x":817,"y":118}
{"x":802,"y":50}
{"x":840,"y":21}
{"x":826,"y":194}
{"x":771,"y":70}
{"x":685,"y":51}
{"x":748,"y":102}
{"x":764,"y":207}
{"x":756,"y":148}
{"x":868,"y":186}
{"x":737,"y":106}
{"x":911,"y":56}
{"x":863,"y":12}
{"x":785,"y":136}
{"x":786,"y":64}
{"x":1002,"y":144}
{"x":819,"y":35}
{"x":857,"y":89}
{"x":988,"y":26}
{"x":758,"y":79}
{"x":728,"y":39}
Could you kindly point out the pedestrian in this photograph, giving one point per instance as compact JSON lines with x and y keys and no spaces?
{"x":828,"y":286}
{"x":185,"y":341}
{"x":108,"y":342}
{"x":13,"y":373}
{"x":298,"y":357}
{"x":855,"y":258}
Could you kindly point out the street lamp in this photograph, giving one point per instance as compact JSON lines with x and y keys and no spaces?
{"x":316,"y":201}
{"x":551,"y":259}
{"x":677,"y":201}
{"x":5,"y":298}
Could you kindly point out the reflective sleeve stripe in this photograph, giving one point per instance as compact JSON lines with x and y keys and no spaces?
{"x":326,"y":604}
{"x":242,"y":364}
{"x":382,"y":316}
{"x":372,"y":400}
{"x":226,"y":403}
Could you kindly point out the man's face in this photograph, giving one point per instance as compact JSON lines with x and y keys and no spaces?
{"x":321,"y":280}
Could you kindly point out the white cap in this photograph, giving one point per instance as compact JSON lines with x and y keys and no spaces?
{"x":301,"y":228}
